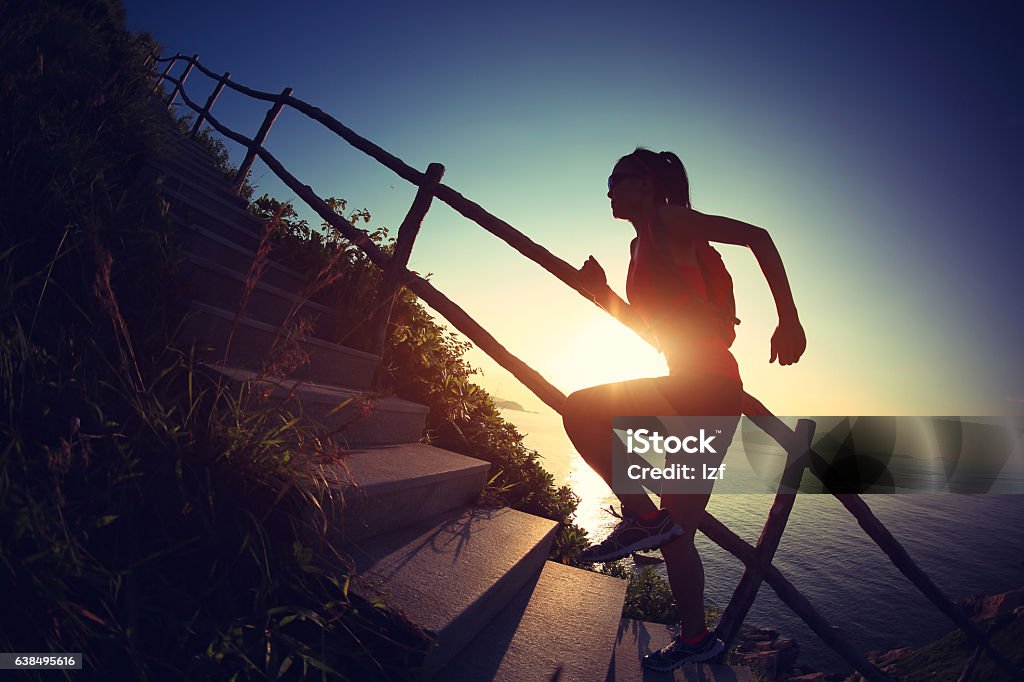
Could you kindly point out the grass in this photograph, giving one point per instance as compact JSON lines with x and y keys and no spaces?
{"x":945,"y":659}
{"x":150,"y":516}
{"x":649,"y":595}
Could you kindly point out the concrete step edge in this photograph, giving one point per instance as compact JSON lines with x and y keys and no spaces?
{"x":378,"y":485}
{"x":566,"y":620}
{"x":185,"y":183}
{"x":270,"y":289}
{"x":324,"y":393}
{"x":453,"y":574}
{"x":228,"y":212}
{"x":246,"y":321}
{"x":245,"y":252}
{"x":386,"y":487}
{"x":186,"y":145}
{"x":180,"y":167}
{"x":244,"y":235}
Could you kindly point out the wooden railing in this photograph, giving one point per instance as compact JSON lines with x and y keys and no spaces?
{"x":757,"y":559}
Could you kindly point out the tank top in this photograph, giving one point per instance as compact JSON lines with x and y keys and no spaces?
{"x":673,"y":303}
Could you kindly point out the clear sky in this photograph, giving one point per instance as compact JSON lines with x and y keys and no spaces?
{"x":879,"y":143}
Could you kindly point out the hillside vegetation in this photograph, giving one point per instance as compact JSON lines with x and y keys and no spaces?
{"x":148,"y":517}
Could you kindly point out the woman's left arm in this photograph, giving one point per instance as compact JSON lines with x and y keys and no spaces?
{"x":789,"y":340}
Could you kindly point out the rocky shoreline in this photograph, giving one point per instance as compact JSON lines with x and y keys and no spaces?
{"x":776,"y":657}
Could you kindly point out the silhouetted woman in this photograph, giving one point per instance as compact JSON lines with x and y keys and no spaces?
{"x":674,"y":283}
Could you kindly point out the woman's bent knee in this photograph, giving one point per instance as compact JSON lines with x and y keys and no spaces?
{"x":576,"y":411}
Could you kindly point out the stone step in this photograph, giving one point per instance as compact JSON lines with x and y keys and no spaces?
{"x":186,"y":146}
{"x":180,"y":165}
{"x":252,"y":344}
{"x":244,"y":233}
{"x":240,"y":227}
{"x":219,"y":286}
{"x":187,"y":208}
{"x":385,"y":488}
{"x":453,"y":574}
{"x":563,"y":622}
{"x":188,"y":143}
{"x":199,"y":190}
{"x":353,"y":417}
{"x":637,"y":638}
{"x":220,"y":249}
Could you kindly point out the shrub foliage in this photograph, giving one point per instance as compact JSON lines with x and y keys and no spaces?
{"x":150,"y":517}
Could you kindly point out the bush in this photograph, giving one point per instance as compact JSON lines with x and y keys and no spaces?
{"x":649,"y":595}
{"x":423,"y":362}
{"x":148,"y":518}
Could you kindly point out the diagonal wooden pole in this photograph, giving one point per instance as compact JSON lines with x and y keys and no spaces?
{"x":719,"y":533}
{"x":209,"y":103}
{"x":900,"y":558}
{"x":458,"y":317}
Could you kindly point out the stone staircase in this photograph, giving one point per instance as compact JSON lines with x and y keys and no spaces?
{"x":477,"y":579}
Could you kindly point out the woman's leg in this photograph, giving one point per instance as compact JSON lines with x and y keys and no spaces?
{"x":587,"y":417}
{"x":682,"y":562}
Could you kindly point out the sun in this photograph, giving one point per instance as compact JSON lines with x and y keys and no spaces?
{"x":604,"y":351}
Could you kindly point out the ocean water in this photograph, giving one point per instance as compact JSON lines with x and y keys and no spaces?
{"x":967,"y":544}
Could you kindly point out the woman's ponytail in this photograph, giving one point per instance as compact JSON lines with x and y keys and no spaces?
{"x":674,"y":179}
{"x":669,"y":175}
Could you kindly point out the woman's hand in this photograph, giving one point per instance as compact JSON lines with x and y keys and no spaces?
{"x":592,"y":277}
{"x":788,"y":342}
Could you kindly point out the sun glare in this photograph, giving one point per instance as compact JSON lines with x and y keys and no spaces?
{"x":602,"y":352}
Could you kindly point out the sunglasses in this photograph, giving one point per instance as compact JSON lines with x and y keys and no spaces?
{"x":616,"y":178}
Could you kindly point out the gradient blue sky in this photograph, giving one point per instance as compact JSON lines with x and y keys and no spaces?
{"x":881,"y":145}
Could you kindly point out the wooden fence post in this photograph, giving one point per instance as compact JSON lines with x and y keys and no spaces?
{"x":754,"y":573}
{"x":209,"y":103}
{"x":257,"y":143}
{"x":394,"y":272}
{"x":160,"y":80}
{"x":720,"y":534}
{"x":181,"y":81}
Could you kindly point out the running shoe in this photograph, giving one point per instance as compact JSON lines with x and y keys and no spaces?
{"x":633,"y":534}
{"x":677,"y":653}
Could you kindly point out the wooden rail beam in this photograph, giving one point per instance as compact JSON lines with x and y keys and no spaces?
{"x":605,"y":298}
{"x":877,"y":531}
{"x":459,"y":318}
